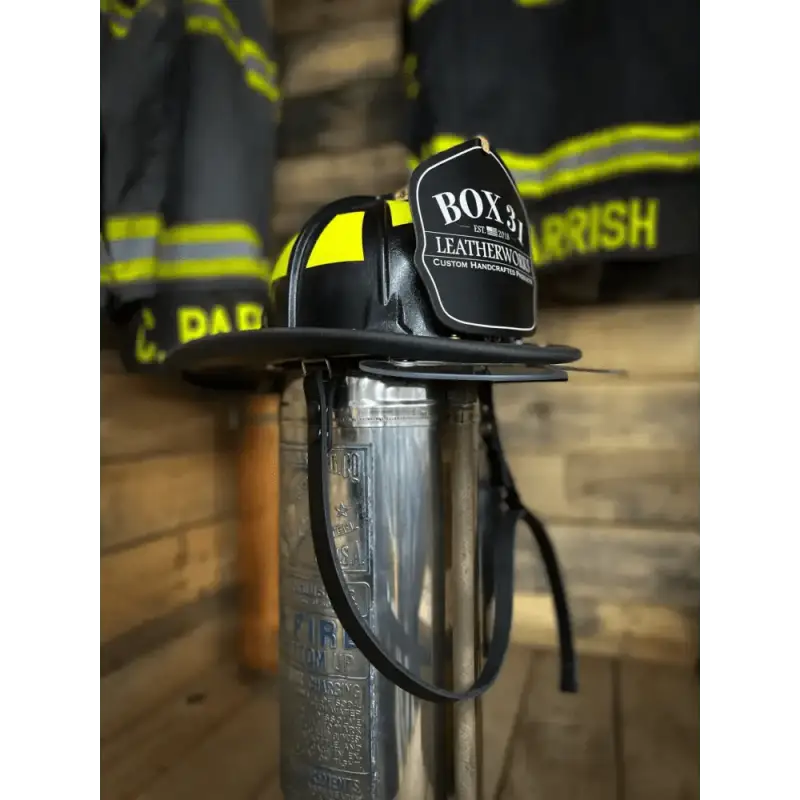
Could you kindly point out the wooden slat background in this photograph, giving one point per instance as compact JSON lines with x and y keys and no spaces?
{"x":343,"y":105}
{"x":167,"y":512}
{"x":612,"y":465}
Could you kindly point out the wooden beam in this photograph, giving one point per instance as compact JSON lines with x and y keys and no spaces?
{"x":259,"y":533}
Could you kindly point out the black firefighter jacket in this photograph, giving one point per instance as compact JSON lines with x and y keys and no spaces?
{"x":594,"y":104}
{"x":189,"y":108}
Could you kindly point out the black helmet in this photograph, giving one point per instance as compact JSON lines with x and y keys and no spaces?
{"x":359,"y":272}
{"x":439,"y":273}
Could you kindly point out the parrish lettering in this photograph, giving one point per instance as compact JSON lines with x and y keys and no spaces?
{"x":193,"y":322}
{"x":597,"y":228}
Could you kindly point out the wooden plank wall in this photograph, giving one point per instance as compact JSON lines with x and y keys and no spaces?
{"x":168,"y":525}
{"x":343,"y":103}
{"x":612,"y":465}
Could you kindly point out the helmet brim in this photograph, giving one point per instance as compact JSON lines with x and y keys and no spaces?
{"x":261,"y":349}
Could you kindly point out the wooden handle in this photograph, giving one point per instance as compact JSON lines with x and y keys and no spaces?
{"x":259,"y":545}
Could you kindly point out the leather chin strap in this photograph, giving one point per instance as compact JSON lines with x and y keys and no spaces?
{"x":504,"y":495}
{"x":318,"y":391}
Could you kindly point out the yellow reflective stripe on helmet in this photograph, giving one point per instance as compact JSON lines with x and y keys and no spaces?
{"x":341,"y":241}
{"x":595,"y":156}
{"x":137,"y":248}
{"x":213,"y":17}
{"x":400,"y":212}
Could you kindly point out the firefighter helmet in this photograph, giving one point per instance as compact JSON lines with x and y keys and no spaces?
{"x":440,"y":272}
